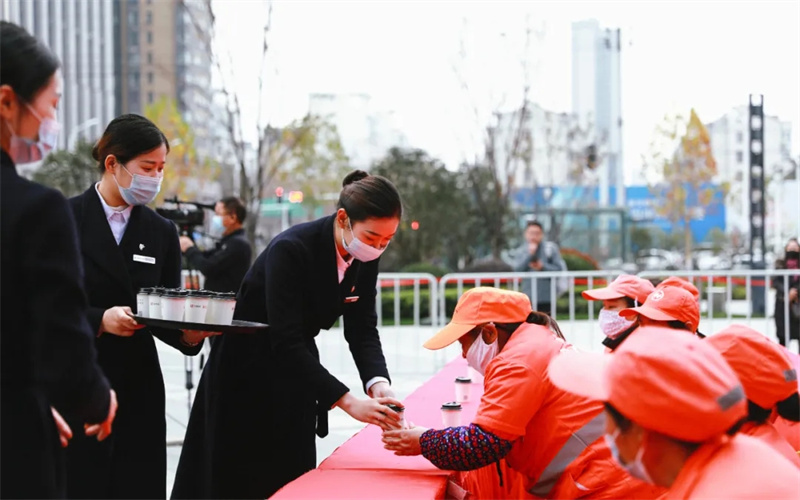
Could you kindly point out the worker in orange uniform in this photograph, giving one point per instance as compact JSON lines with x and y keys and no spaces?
{"x":674,"y":405}
{"x":624,"y":292}
{"x":670,"y":306}
{"x":769,"y":380}
{"x":539,"y":429}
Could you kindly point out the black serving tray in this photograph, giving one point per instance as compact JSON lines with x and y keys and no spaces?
{"x":236,"y":326}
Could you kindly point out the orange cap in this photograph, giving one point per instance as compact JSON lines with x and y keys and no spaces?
{"x":681,"y":283}
{"x":668,"y":303}
{"x":765,"y":370}
{"x":665,"y":381}
{"x":625,"y":285}
{"x":479,"y":306}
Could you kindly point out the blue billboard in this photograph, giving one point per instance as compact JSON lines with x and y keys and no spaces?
{"x":640,"y":204}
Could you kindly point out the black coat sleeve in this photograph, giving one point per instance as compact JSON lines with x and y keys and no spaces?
{"x":286,"y":309}
{"x":361,"y":331}
{"x":215,"y":262}
{"x":171,"y":277}
{"x":54,"y":288}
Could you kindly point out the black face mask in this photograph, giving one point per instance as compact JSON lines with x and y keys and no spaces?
{"x":793,"y":255}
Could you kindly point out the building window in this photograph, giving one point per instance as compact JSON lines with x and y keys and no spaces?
{"x":149,"y":37}
{"x":739,"y":137}
{"x":150,"y":77}
{"x":149,"y":18}
{"x":739,"y":157}
{"x":150,"y":98}
{"x":149,"y":58}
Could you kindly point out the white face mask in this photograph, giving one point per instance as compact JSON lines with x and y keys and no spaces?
{"x":612,"y":324}
{"x":360,"y":250}
{"x":635,"y":468}
{"x":480,"y":354}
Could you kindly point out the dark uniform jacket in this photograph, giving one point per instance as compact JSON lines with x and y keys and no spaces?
{"x":48,"y":353}
{"x":262,"y":396}
{"x":132,"y":462}
{"x":224,"y":267}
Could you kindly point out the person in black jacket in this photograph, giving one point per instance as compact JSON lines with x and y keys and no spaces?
{"x":224,"y":267}
{"x":791,"y":260}
{"x":127,"y":246}
{"x":48,"y":353}
{"x":261,"y":397}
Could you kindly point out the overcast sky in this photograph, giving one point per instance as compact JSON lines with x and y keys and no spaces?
{"x":708,"y":55}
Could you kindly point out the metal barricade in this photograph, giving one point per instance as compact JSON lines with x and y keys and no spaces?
{"x":739,"y":291}
{"x":578,"y":327}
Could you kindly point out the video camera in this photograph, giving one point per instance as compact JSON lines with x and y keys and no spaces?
{"x":185,"y":214}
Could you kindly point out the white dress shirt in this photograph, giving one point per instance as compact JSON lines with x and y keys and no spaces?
{"x":342,"y":266}
{"x":117,"y":217}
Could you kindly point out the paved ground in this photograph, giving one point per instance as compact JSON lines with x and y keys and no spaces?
{"x":409,"y":364}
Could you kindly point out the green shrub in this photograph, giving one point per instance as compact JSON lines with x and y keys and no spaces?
{"x":425,"y":267}
{"x":578,"y":261}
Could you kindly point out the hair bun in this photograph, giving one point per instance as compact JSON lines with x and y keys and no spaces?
{"x":354,"y":176}
{"x":96,"y":152}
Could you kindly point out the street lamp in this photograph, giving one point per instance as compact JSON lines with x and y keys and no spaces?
{"x":73,"y":135}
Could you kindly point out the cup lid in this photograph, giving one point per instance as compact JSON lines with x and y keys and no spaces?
{"x":452,"y":405}
{"x":394,"y":407}
{"x":227,"y":295}
{"x":175,"y":292}
{"x":198,"y":293}
{"x":463,"y":380}
{"x":146,"y":290}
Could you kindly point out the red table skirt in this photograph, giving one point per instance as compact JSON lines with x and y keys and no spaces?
{"x":362,"y":468}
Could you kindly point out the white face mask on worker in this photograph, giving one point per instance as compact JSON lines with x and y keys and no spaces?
{"x":480,"y":354}
{"x":360,"y":250}
{"x":612,"y":324}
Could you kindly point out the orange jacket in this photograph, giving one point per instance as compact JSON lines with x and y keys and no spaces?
{"x":767,"y":433}
{"x":549,"y":427}
{"x":741,"y":467}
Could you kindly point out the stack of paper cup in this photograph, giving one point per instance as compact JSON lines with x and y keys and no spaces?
{"x":196,"y":306}
{"x":463,"y":385}
{"x":451,"y":414}
{"x":173,"y":304}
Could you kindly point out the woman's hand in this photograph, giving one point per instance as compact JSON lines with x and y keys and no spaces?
{"x":64,"y":432}
{"x":371,"y":411}
{"x":118,"y":321}
{"x":793,"y":295}
{"x":103,"y":429}
{"x":381,"y":390}
{"x":194,"y":337}
{"x":403,"y":441}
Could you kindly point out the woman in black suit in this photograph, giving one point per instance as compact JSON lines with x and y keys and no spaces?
{"x":261,"y":397}
{"x":48,"y":353}
{"x":127,"y":246}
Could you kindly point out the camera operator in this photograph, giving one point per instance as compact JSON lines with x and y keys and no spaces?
{"x":224,"y":267}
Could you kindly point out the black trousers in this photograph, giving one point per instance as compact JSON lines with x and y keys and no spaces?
{"x":780,"y":324}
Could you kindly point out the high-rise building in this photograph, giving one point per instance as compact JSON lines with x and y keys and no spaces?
{"x":730,"y":146}
{"x":81,"y":34}
{"x":597,"y":96}
{"x":163,"y":50}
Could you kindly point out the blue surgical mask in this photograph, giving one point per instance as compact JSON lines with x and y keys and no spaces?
{"x":143,"y":189}
{"x":635,"y":468}
{"x":360,"y":250}
{"x":23,"y":150}
{"x":217,"y":227}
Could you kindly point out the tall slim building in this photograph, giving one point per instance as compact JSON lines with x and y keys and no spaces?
{"x":162,"y":50}
{"x":81,"y":34}
{"x":597,"y":96}
{"x":730,"y":146}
